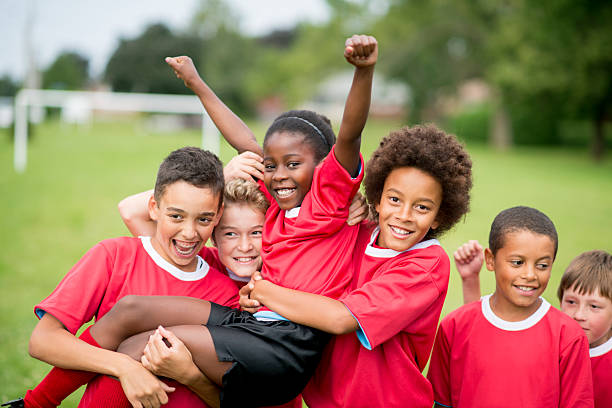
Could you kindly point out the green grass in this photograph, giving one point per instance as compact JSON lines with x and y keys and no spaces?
{"x":66,"y":202}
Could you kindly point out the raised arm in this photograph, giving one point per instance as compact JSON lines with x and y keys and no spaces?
{"x":468,"y":260}
{"x":135,"y":214}
{"x":233,"y":129}
{"x":362,"y":52}
{"x":312,"y":310}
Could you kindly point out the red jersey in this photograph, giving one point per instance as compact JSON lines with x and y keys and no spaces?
{"x":480,"y":360}
{"x":601,"y":364}
{"x":130,"y":266}
{"x":397,"y":298}
{"x":310,"y":248}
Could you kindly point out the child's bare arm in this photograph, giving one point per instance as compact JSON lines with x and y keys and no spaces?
{"x":362,"y":52}
{"x":174,"y":360}
{"x":469,"y":258}
{"x":233,"y":129}
{"x":53,"y":344}
{"x":135,"y":214}
{"x":312,"y":310}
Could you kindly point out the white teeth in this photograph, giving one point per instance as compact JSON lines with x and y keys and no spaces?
{"x":285,"y":192}
{"x":245,"y":259}
{"x":526,"y":288}
{"x":185,"y":249}
{"x":400,"y":231}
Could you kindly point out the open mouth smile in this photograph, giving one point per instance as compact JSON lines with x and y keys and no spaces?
{"x":284,"y":192}
{"x":400,"y":232}
{"x":185,"y":249}
{"x":245,"y":260}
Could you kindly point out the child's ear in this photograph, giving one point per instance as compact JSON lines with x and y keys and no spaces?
{"x":219,"y":214}
{"x":435,"y":224}
{"x":489,"y":259}
{"x":153,"y":208}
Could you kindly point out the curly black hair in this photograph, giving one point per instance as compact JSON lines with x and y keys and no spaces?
{"x":429,"y":149}
{"x":316,"y":128}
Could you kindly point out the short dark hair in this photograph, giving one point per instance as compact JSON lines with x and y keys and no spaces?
{"x":438,"y":154}
{"x":520,"y":219}
{"x":193,"y":165}
{"x":316,"y":128}
{"x":588,"y":272}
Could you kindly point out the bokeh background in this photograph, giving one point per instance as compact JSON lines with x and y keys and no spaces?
{"x":526,"y":85}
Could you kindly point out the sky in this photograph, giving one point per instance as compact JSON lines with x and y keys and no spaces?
{"x":93,"y":28}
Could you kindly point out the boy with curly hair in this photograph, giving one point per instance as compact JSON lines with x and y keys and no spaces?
{"x":417,"y":183}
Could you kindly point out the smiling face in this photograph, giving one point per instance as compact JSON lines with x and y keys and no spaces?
{"x":593,"y":313}
{"x":238,"y":238}
{"x":185,"y":216}
{"x":522,"y":269}
{"x":408,"y":208}
{"x":289,"y":166}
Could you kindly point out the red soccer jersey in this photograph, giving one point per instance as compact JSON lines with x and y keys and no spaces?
{"x":397,"y":298}
{"x":480,"y":360}
{"x":130,"y":266}
{"x":601,"y":364}
{"x":310,"y":248}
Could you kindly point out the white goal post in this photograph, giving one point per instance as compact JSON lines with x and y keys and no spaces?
{"x":87,"y":102}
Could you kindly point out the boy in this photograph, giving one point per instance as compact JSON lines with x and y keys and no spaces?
{"x":418,"y":183}
{"x":187,"y":204}
{"x":585,"y":293}
{"x":512,"y":348}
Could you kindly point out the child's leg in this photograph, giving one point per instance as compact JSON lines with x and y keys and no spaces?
{"x":59,"y":383}
{"x":130,"y":315}
{"x":196,"y":338}
{"x":136,"y":314}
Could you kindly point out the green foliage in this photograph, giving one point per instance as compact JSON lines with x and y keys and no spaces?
{"x":69,"y":71}
{"x":472,"y":124}
{"x":8,"y":87}
{"x":137,"y":65}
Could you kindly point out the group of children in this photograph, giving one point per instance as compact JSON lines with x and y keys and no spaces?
{"x":342,"y":314}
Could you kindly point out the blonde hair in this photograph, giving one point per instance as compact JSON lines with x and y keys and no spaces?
{"x":239,"y":191}
{"x":588,"y":272}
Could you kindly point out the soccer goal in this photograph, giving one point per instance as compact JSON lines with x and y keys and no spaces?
{"x":78,"y":106}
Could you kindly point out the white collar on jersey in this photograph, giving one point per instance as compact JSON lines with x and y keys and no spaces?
{"x":292,"y":213}
{"x":601,"y":349}
{"x":513,"y":326}
{"x":199,"y":273}
{"x":235,"y":277}
{"x":376,"y":252}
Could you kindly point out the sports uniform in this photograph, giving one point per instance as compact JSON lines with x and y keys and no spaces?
{"x":480,"y":360}
{"x":601,"y":364}
{"x":129,"y":266}
{"x":396,"y":297}
{"x":307,"y":248}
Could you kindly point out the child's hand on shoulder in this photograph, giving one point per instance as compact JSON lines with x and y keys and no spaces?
{"x":184,"y":69}
{"x":469,"y":258}
{"x":361,"y":50}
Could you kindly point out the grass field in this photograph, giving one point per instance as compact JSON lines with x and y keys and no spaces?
{"x":66,"y":202}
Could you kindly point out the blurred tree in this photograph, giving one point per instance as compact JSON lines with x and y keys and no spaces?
{"x":137,"y":65}
{"x":556,"y":57}
{"x":8,"y":87}
{"x":432,"y":46}
{"x":69,"y":71}
{"x":227,"y":56}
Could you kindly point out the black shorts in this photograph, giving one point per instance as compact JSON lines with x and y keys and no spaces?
{"x":273,"y":360}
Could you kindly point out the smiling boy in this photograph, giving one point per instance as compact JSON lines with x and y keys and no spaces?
{"x":511,"y":348}
{"x":186,"y":205}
